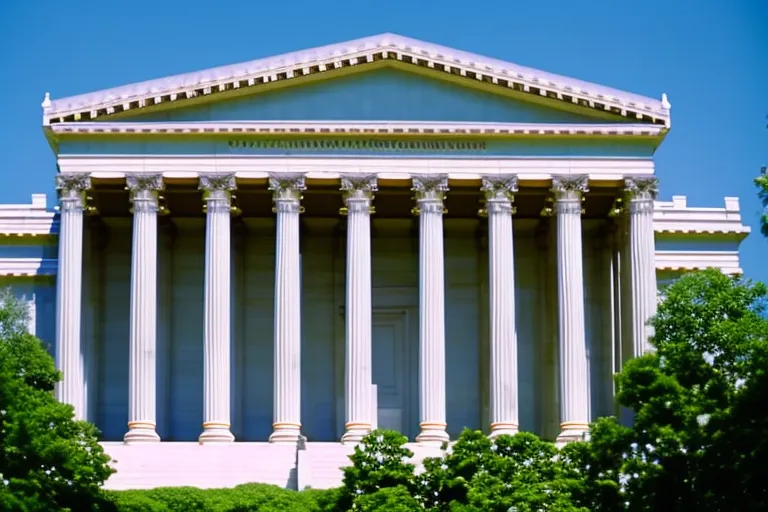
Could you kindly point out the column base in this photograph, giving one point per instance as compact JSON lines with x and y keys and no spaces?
{"x":285,"y":433}
{"x":571,"y":432}
{"x":502,"y":429}
{"x":355,"y":432}
{"x":141,"y":432}
{"x":432,"y":434}
{"x":214,"y":432}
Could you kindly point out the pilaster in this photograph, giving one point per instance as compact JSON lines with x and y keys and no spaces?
{"x":142,"y":375}
{"x":286,"y":194}
{"x":217,"y":196}
{"x":69,"y":359}
{"x":430,"y":195}
{"x":641,"y":192}
{"x":499,"y":194}
{"x":358,"y":198}
{"x":574,"y":378}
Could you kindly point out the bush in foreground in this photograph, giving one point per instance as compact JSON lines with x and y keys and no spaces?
{"x":48,"y":461}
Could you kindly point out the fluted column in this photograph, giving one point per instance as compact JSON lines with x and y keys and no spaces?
{"x":286,"y":425}
{"x":641,"y":192}
{"x":430,"y":194}
{"x":217,"y":194}
{"x":142,"y":363}
{"x":358,"y":196}
{"x":574,"y":378}
{"x":499,"y":194}
{"x":69,"y":288}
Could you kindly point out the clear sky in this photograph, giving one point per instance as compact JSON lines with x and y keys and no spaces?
{"x":709,"y":56}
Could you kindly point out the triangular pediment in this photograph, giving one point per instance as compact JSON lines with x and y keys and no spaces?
{"x":390,"y":51}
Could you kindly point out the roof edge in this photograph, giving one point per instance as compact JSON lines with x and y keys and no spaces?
{"x":336,"y":57}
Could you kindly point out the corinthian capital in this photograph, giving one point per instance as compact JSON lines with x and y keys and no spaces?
{"x":217,"y":192}
{"x":217,"y":182}
{"x":570,"y":187}
{"x":641,"y":188}
{"x":286,"y":192}
{"x":144,"y":190}
{"x":499,"y":193}
{"x":430,"y":193}
{"x":358,"y":193}
{"x":72,"y":190}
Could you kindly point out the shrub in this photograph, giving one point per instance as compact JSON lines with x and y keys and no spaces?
{"x":48,"y":461}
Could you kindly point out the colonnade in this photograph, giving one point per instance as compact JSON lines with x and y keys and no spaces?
{"x":358,"y":194}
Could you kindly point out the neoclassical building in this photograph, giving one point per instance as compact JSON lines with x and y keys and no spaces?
{"x":383,"y":232}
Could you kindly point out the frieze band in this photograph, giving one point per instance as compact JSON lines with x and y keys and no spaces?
{"x":360,"y":144}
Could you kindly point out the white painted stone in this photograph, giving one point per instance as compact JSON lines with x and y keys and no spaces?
{"x":142,"y":389}
{"x":69,"y":358}
{"x":358,"y":196}
{"x":217,"y":190}
{"x":286,"y":423}
{"x":642,"y":192}
{"x":504,"y":413}
{"x":430,"y":194}
{"x":574,"y":378}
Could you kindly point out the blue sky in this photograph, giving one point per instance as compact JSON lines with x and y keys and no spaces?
{"x":711,"y":58}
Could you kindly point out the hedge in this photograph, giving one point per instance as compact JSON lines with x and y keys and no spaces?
{"x":247,"y":497}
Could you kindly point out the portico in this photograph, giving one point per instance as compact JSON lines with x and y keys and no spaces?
{"x":497,"y":293}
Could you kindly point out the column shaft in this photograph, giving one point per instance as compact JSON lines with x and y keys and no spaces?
{"x":574,"y":378}
{"x":358,"y":379}
{"x":142,"y":390}
{"x":642,"y":250}
{"x":216,"y":318}
{"x":430,"y":192}
{"x":503,"y":332}
{"x":287,"y":400}
{"x":69,"y":357}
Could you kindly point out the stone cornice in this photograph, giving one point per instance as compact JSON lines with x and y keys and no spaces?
{"x":358,"y":128}
{"x":381,"y":50}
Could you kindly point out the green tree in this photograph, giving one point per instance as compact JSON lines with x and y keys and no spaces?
{"x":48,"y":461}
{"x":761,"y":182}
{"x":699,"y":434}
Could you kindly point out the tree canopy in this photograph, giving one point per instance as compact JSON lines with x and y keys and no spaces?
{"x":48,"y":461}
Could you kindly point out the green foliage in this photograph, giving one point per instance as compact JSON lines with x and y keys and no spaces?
{"x":243,"y":498}
{"x":380,"y":461}
{"x":48,"y":461}
{"x":698,"y":436}
{"x":761,"y":182}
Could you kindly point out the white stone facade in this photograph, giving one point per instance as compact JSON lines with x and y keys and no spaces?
{"x":481,"y":247}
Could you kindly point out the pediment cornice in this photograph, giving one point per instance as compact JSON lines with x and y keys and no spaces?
{"x":386,"y":49}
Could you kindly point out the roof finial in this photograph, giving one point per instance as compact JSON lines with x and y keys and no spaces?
{"x":47,"y":101}
{"x":665,"y":102}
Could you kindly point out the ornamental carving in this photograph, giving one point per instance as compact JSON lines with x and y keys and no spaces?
{"x":212,"y":182}
{"x":499,"y":194}
{"x":358,"y":193}
{"x":217,"y":192}
{"x":430,"y":193}
{"x":144,"y":190}
{"x":570,"y":186}
{"x":141,"y":182}
{"x":644,"y":188}
{"x":72,"y":192}
{"x":286,"y":192}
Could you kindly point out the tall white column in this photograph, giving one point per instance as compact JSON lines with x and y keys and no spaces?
{"x":574,"y":378}
{"x":499,"y":195}
{"x":641,"y":192}
{"x":69,"y":288}
{"x":358,"y":196}
{"x":430,"y":195}
{"x":217,"y":194}
{"x":142,"y":363}
{"x":286,"y":425}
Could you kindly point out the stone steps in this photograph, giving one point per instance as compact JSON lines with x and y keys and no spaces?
{"x":169,"y":464}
